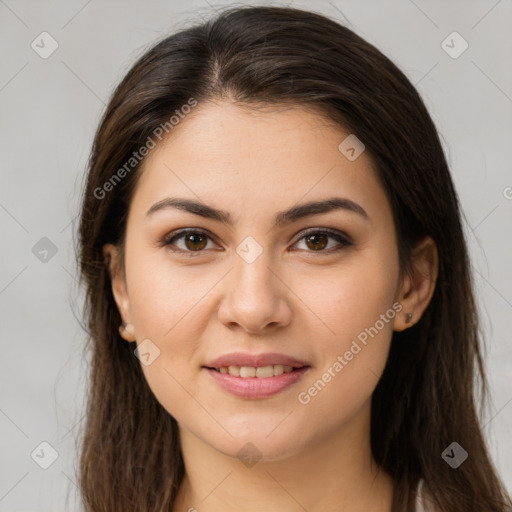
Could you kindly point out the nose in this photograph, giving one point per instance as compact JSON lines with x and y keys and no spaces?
{"x":256,"y":297}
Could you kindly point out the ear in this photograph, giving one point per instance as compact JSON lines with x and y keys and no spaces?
{"x":417,"y":287}
{"x":119,"y":290}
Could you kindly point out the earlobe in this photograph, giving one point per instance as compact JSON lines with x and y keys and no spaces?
{"x":418,"y":286}
{"x":127,"y":331}
{"x":111,"y":258}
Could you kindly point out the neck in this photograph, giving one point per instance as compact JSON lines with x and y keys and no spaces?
{"x":336,"y":473}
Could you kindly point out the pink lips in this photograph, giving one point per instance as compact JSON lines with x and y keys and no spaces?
{"x":255,"y":387}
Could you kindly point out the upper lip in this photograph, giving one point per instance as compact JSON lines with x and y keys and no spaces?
{"x":245,"y":359}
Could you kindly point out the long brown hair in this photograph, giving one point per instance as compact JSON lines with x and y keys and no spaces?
{"x":426,"y":397}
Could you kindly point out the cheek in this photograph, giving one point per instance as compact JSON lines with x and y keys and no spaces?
{"x":164,"y":297}
{"x":356,"y":307}
{"x":349,"y":298}
{"x":167,"y":309}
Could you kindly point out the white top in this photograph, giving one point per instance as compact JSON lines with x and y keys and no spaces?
{"x":423,"y":502}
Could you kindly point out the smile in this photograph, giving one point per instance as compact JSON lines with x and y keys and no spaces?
{"x":256,"y":382}
{"x":260,"y":372}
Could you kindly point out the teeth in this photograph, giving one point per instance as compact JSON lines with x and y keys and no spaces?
{"x":247,"y":371}
{"x":260,"y":372}
{"x":234,"y":370}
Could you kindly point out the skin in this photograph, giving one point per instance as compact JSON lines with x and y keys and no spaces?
{"x":304,"y":303}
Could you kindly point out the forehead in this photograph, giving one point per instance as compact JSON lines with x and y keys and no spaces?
{"x":228,"y":130}
{"x":269,"y":154}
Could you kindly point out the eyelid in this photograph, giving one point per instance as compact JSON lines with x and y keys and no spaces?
{"x":335,"y":233}
{"x":166,"y":241}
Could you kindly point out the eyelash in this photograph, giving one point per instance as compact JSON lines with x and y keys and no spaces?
{"x":342,"y":239}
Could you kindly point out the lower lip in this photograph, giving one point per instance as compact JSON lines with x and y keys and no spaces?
{"x":255,"y":387}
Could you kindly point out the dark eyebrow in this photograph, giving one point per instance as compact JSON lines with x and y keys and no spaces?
{"x":282,"y":218}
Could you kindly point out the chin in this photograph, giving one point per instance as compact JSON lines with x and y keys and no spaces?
{"x":258,"y":445}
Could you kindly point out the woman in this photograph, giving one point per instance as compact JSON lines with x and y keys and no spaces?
{"x":279,"y":301}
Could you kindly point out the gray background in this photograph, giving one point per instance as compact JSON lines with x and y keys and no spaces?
{"x":50,"y":109}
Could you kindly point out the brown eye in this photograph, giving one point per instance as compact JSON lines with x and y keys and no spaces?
{"x":195,"y":242}
{"x":319,"y":241}
{"x":192,"y":241}
{"x":316,"y":241}
{"x":188,"y":241}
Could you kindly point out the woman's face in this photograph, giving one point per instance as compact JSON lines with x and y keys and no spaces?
{"x":316,"y":290}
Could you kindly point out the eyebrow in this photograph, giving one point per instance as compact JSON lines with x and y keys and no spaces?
{"x":283,"y":218}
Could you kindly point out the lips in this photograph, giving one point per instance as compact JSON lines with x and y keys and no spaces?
{"x":253,"y":388}
{"x":256,"y":376}
{"x":240,"y":359}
